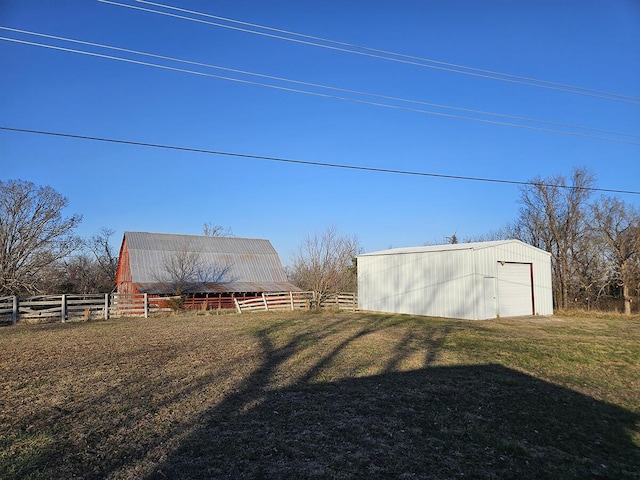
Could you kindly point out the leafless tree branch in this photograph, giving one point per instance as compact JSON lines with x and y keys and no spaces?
{"x":33,"y":234}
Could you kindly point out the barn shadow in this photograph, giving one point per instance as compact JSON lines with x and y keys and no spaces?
{"x":484,"y":421}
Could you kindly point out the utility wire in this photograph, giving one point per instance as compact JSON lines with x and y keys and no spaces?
{"x":323,"y":95}
{"x":316,"y":85}
{"x":396,"y":54}
{"x":311,"y":163}
{"x":383,"y":54}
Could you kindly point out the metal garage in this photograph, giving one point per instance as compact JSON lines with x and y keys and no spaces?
{"x":474,"y":281}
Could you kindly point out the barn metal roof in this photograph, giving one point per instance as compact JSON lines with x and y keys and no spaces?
{"x":215,"y":288}
{"x":447,"y":247}
{"x":253,"y":264}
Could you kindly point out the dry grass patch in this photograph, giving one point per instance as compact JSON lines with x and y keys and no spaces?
{"x":321,"y":395}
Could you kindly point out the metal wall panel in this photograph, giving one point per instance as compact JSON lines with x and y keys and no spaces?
{"x":426,"y":283}
{"x":447,"y":280}
{"x":488,"y":258}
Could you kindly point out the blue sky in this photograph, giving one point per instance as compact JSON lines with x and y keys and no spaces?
{"x":589,"y":44}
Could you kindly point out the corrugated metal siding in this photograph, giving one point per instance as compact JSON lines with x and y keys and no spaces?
{"x":231,"y":287}
{"x":515,"y":251}
{"x":445,"y":280}
{"x":198,"y":243}
{"x":253,"y":263}
{"x":424,"y":283}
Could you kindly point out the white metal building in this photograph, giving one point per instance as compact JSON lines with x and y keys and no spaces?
{"x":473,"y":281}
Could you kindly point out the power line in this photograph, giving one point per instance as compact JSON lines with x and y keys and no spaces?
{"x":324,"y":95}
{"x":316,"y":85}
{"x":383,"y":54}
{"x":310,"y":163}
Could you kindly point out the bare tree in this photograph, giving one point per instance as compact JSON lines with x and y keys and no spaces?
{"x":180,"y":269}
{"x":592,"y":269}
{"x":81,"y":274}
{"x":553,"y":217}
{"x":33,"y":234}
{"x":211,"y":230}
{"x":324,"y":263}
{"x":92,"y":270}
{"x":184,"y":269}
{"x":105,"y":257}
{"x":618,"y":224}
{"x":506,"y":232}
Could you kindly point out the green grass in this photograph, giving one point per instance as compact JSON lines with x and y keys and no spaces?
{"x":321,"y":395}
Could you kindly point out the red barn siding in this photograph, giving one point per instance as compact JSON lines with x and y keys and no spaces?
{"x":123,"y":274}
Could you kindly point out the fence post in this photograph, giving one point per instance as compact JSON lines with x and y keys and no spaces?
{"x":106,"y":306}
{"x":237,"y":305}
{"x":264,"y":300}
{"x":63,"y":308}
{"x":291,"y":298}
{"x":146,"y":305}
{"x":14,"y":316}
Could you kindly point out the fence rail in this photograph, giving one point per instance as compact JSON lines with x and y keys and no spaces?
{"x":94,"y":306}
{"x":340,"y":301}
{"x":297,"y":300}
{"x":87,"y":307}
{"x":275,"y":301}
{"x":9,"y":308}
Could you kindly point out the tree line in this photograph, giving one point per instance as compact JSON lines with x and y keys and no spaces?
{"x":594,"y":245}
{"x":594,"y":242}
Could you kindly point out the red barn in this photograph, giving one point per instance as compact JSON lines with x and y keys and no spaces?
{"x":203,"y":268}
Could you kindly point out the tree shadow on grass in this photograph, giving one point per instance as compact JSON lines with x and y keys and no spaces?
{"x":484,"y":421}
{"x":273,"y":409}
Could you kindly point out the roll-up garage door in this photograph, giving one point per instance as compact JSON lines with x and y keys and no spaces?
{"x":515,"y":292}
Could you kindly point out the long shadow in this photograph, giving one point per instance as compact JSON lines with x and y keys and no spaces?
{"x":444,"y":422}
{"x":432,"y":339}
{"x":483,"y":421}
{"x":434,"y":423}
{"x":102,"y":417}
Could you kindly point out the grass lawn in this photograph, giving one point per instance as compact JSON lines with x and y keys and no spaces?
{"x":321,"y":395}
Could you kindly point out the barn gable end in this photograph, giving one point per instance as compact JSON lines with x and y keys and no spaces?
{"x":124,"y":281}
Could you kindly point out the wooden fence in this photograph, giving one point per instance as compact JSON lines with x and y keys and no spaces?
{"x":213,"y":302}
{"x":340,"y":301}
{"x":103,"y":306}
{"x":275,"y":301}
{"x":297,"y":300}
{"x":86,"y":307}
